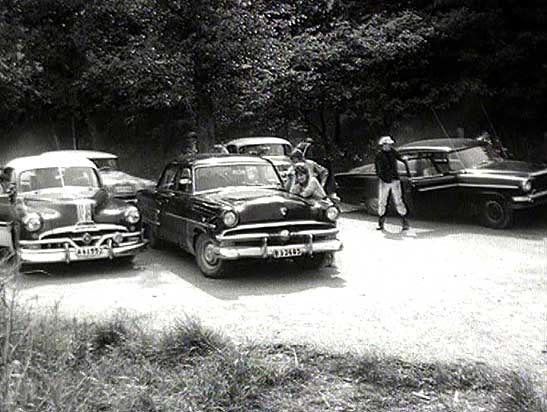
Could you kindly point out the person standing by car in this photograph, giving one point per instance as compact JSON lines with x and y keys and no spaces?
{"x":388,"y":181}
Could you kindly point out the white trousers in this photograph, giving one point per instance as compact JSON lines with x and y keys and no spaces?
{"x":396,"y":193}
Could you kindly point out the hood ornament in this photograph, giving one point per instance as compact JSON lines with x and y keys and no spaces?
{"x":284,"y":211}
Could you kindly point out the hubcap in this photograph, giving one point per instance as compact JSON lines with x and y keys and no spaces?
{"x":495,"y":211}
{"x":209,"y":254}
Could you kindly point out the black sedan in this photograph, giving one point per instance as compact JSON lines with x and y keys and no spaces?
{"x":454,"y":174}
{"x":223,"y":208}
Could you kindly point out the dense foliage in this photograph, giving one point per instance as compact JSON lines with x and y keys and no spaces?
{"x":342,"y":71}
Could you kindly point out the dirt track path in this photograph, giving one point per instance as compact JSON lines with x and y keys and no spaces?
{"x":443,"y":291}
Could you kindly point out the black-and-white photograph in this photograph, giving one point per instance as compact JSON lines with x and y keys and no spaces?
{"x":263,"y":206}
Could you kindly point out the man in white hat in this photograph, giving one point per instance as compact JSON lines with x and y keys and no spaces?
{"x":388,"y":175}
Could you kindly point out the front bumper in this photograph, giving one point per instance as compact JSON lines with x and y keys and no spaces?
{"x":265,"y":251}
{"x":37,"y":251}
{"x":528,"y":201}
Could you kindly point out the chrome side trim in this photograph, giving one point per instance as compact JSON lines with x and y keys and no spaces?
{"x":489,"y":186}
{"x":495,"y":176}
{"x":427,"y":189}
{"x":83,"y":229}
{"x":539,"y":173}
{"x":197,"y":222}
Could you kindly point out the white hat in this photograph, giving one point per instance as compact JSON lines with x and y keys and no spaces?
{"x":386,"y":140}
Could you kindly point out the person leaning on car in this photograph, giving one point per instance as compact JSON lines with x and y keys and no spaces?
{"x":316,"y":170}
{"x":388,"y":181}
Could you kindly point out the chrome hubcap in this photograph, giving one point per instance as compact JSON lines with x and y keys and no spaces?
{"x":209,"y":254}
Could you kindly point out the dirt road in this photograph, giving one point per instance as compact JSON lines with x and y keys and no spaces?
{"x":442,"y":291}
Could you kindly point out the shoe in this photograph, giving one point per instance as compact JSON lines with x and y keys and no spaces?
{"x":406,"y":225}
{"x":381,"y":221}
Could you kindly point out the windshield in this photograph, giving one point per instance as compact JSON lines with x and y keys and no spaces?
{"x":472,"y":157}
{"x":265,"y":149}
{"x":57,"y":177}
{"x":217,"y":177}
{"x":106,"y":163}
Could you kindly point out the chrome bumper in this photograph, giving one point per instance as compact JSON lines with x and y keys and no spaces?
{"x":32,"y":251}
{"x":265,"y":251}
{"x":533,"y":199}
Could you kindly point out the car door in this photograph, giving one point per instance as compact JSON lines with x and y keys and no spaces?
{"x":176,"y":208}
{"x":431,"y":183}
{"x":163,"y":195}
{"x":7,"y":219}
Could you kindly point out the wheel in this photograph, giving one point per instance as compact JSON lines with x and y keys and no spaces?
{"x":371,"y":206}
{"x":496,"y":213}
{"x":316,"y":261}
{"x":151,"y":233}
{"x":208,"y":261}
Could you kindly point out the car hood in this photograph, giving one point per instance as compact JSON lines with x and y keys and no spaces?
{"x":264,"y":204}
{"x":113,"y":178}
{"x":69,"y":206}
{"x":512,"y":167}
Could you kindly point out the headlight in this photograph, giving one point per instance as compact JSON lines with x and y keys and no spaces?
{"x":526,"y":185}
{"x":32,"y":222}
{"x":332,"y":213}
{"x":230,"y":218}
{"x":132,"y":215}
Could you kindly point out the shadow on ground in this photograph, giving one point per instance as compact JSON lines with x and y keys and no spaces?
{"x":252,"y":278}
{"x":531,"y":224}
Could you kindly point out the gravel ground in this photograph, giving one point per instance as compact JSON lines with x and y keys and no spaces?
{"x":441,"y":292}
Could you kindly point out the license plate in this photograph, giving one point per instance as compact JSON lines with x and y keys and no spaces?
{"x":123,"y":189}
{"x":88,"y":251}
{"x":287,"y":252}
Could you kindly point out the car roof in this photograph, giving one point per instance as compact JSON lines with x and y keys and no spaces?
{"x":42,"y":162}
{"x":439,"y":145}
{"x":244,"y":141}
{"x":90,"y":154}
{"x":207,"y":159}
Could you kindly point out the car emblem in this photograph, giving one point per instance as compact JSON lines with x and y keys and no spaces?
{"x":284,"y":211}
{"x":284,"y":235}
{"x":87,"y":239}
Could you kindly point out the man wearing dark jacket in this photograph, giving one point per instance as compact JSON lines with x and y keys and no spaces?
{"x":388,"y":181}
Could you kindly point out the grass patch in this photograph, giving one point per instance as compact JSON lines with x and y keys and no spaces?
{"x":54,"y":364}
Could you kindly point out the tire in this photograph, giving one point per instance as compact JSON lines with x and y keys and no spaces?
{"x":151,"y":233}
{"x":316,"y":261}
{"x":209,"y":264}
{"x":371,"y":206}
{"x":496,"y":213}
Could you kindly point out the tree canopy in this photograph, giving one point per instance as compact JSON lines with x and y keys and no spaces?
{"x":163,"y":67}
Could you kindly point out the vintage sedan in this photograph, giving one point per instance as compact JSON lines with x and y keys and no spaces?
{"x":120,"y":184}
{"x":56,"y":210}
{"x":223,"y":208}
{"x":275,"y":149}
{"x":455,"y":174}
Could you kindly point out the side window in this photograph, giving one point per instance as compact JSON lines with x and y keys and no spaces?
{"x":454,"y":161}
{"x":231,"y":148}
{"x":441,"y":162}
{"x":168,"y":179}
{"x":422,"y":167}
{"x":185,"y":180}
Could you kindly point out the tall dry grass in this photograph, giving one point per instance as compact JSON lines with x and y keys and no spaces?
{"x":50,"y":363}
